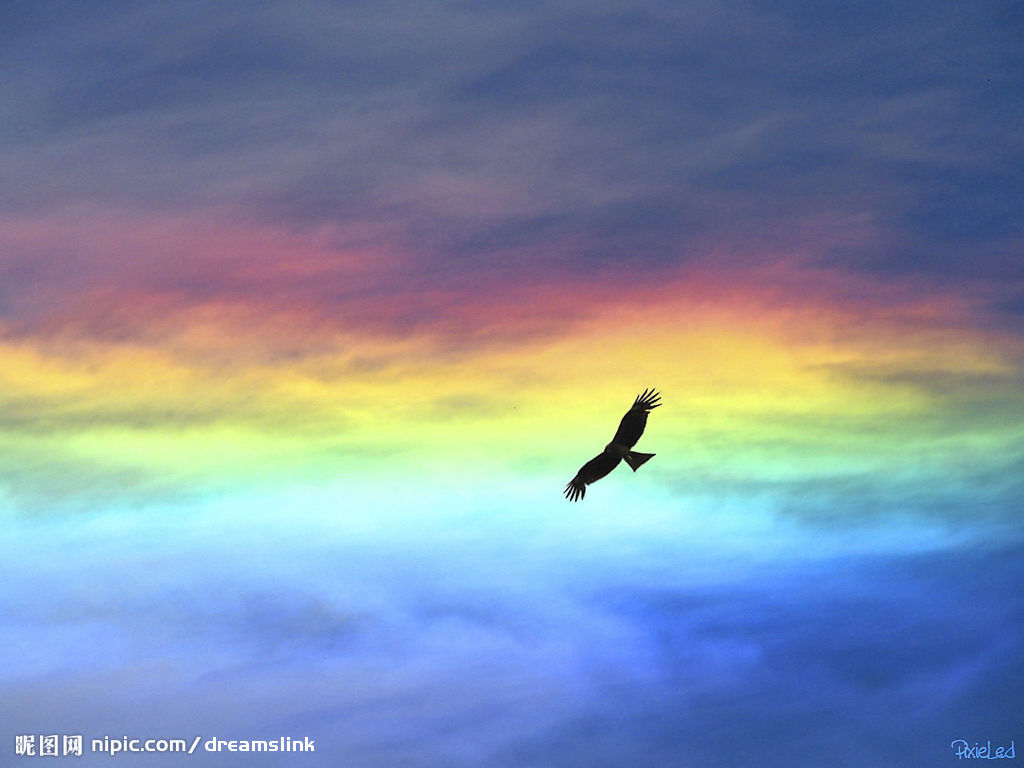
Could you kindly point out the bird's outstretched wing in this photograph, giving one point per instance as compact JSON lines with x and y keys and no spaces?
{"x":633,"y":423}
{"x":595,"y":469}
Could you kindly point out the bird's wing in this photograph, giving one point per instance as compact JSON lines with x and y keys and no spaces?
{"x":633,"y":423}
{"x":593,"y":470}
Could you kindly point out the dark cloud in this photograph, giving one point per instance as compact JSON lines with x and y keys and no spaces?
{"x":478,"y":133}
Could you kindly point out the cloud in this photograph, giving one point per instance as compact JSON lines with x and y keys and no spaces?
{"x":219,"y":353}
{"x":467,"y":135}
{"x":470,"y":645}
{"x":250,"y":248}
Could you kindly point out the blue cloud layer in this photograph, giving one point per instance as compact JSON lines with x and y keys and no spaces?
{"x":516,"y":641}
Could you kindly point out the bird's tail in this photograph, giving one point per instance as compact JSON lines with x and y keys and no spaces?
{"x":635,"y":459}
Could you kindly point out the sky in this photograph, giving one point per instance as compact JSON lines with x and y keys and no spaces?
{"x":308,"y":312}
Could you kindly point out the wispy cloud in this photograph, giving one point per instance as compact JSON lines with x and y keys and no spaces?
{"x":618,"y":654}
{"x":462,"y":132}
{"x":307,"y":305}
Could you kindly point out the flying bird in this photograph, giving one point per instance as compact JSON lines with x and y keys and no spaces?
{"x":630,"y":429}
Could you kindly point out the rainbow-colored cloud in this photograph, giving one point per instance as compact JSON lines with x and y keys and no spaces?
{"x":309,"y":312}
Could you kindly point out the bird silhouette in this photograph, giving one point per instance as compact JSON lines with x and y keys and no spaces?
{"x":630,"y":429}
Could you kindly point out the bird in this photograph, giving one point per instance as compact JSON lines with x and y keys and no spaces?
{"x":630,"y":429}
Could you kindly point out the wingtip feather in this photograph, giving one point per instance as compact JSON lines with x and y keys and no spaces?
{"x":648,"y":399}
{"x":575,"y":491}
